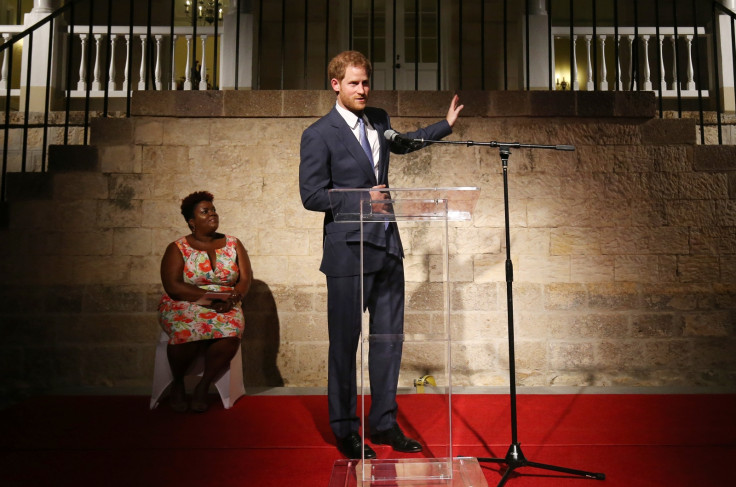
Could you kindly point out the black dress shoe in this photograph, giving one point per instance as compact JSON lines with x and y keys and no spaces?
{"x":350,"y":446}
{"x":395,"y":437}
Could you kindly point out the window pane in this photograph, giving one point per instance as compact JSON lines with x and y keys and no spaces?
{"x":429,"y":51}
{"x":379,"y":55}
{"x":409,"y":50}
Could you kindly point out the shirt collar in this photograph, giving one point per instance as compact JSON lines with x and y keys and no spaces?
{"x":350,"y":118}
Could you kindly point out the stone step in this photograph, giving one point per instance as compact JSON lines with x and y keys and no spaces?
{"x":66,"y":158}
{"x":23,"y":186}
{"x":4,"y":214}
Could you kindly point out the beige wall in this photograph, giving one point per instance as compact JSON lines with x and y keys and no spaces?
{"x":624,"y":250}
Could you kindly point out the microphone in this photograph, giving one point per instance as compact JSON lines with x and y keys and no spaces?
{"x":397,"y":138}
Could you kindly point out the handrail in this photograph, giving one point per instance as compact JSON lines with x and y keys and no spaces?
{"x":49,"y":19}
{"x":41,"y":23}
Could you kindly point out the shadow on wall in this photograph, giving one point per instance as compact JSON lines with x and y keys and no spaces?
{"x":261,"y":338}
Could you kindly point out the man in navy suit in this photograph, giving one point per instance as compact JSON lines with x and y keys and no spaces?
{"x":346,"y":149}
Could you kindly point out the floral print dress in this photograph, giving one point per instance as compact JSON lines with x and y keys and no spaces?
{"x":185,"y":321}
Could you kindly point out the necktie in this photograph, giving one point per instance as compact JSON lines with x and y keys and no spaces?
{"x":364,"y":142}
{"x":367,"y":149}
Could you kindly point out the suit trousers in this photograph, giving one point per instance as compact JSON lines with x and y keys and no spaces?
{"x":384,"y":299}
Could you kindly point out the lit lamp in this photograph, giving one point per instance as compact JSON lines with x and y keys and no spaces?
{"x":205,"y":10}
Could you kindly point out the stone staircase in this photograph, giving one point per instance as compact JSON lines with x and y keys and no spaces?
{"x":85,"y":239}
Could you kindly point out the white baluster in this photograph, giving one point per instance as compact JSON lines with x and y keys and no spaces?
{"x":96,"y":85}
{"x":690,"y":70}
{"x":144,"y":59}
{"x":4,"y":69}
{"x":157,"y":72}
{"x":82,"y":83}
{"x":188,"y":68}
{"x":203,"y":72}
{"x":127,"y":63}
{"x":604,"y":71}
{"x":574,"y":65}
{"x":662,"y":72}
{"x":590,"y":86}
{"x":674,"y":63}
{"x":647,"y":72}
{"x":173,"y":62}
{"x":111,"y":84}
{"x":632,"y":78}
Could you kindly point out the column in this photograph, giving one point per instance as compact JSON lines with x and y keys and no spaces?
{"x":725,"y":58}
{"x":244,"y":45}
{"x":37,"y":90}
{"x":538,"y":45}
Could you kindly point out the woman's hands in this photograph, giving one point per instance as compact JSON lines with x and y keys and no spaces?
{"x":224,"y":306}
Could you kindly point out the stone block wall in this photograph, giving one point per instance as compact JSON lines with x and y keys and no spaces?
{"x":624,"y":250}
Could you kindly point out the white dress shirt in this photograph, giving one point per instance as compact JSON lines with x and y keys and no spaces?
{"x":352,"y":120}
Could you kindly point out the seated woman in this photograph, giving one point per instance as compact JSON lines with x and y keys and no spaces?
{"x":193,"y":266}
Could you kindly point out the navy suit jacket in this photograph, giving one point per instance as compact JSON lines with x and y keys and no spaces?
{"x":332,"y":157}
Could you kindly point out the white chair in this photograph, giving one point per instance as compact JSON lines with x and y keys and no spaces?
{"x":229,"y":384}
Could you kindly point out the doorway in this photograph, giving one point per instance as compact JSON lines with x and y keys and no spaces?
{"x":401,"y":37}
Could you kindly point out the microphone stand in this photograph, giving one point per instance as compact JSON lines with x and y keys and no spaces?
{"x":514,"y":456}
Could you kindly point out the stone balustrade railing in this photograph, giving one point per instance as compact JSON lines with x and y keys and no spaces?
{"x":667,"y":50}
{"x":135,"y":53}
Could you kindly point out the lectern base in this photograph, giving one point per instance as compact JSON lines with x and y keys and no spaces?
{"x":466,"y":472}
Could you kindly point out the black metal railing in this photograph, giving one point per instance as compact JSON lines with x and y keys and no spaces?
{"x":432,"y":44}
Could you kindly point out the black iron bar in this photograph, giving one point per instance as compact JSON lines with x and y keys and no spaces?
{"x":482,"y":63}
{"x":595,"y":46}
{"x":439,"y":43}
{"x":46,"y":103}
{"x":237,"y":46}
{"x":70,"y":52}
{"x":615,"y":45}
{"x":505,"y":45}
{"x":678,"y":80}
{"x":283,"y":42}
{"x":259,"y":66}
{"x":660,"y":74}
{"x":635,"y":80}
{"x":526,"y":37}
{"x":305,"y":59}
{"x":460,"y":44}
{"x":372,"y":36}
{"x":327,"y":41}
{"x":394,"y":61}
{"x":572,"y":41}
{"x":550,"y":45}
{"x":193,"y":54}
{"x":106,"y":77}
{"x":216,"y":43}
{"x":696,"y":48}
{"x":88,"y":72}
{"x":6,"y":124}
{"x":416,"y":45}
{"x":147,"y":52}
{"x":172,"y":44}
{"x":24,"y":149}
{"x":129,"y":74}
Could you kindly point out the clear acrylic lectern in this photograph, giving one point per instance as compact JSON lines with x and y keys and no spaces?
{"x":426,"y":367}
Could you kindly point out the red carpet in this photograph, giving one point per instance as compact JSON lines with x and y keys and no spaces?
{"x":636,"y":440}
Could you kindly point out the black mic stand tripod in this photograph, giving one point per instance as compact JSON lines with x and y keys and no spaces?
{"x":514,"y":456}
